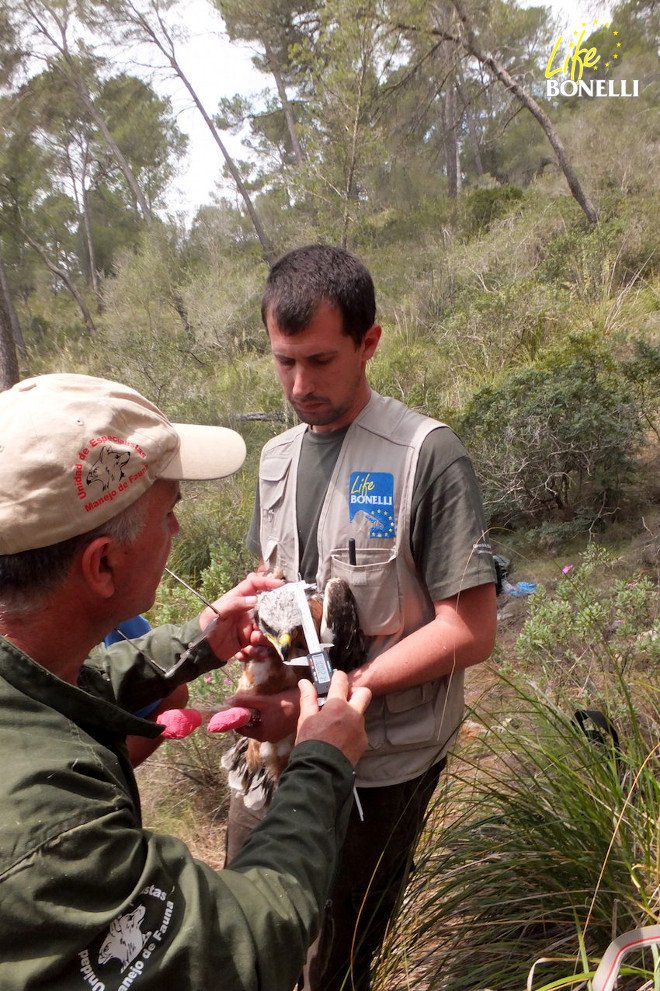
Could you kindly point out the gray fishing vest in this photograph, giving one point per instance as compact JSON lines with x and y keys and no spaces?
{"x":368,"y":501}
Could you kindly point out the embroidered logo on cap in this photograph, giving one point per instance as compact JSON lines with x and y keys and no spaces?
{"x":372,"y":493}
{"x":104,"y":470}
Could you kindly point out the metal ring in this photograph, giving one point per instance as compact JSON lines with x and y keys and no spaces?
{"x":255,"y":719}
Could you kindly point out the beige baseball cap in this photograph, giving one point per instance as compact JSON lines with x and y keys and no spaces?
{"x":76,"y":451}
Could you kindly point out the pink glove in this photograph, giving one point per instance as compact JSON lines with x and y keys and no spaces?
{"x":232,"y":718}
{"x":179,"y":723}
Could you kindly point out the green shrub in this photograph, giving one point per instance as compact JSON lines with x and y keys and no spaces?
{"x":554,"y":440}
{"x":488,"y":203}
{"x":593,"y":625}
{"x":642,"y":372}
{"x":585,"y":259}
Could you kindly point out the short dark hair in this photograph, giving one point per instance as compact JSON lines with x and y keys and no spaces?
{"x":304,"y":278}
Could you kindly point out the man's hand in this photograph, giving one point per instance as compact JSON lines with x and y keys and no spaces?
{"x":340,"y":721}
{"x":230,"y":628}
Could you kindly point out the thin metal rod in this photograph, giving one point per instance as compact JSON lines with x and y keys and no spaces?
{"x":194,"y":591}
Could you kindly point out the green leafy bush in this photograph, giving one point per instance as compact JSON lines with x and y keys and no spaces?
{"x":489,"y":203}
{"x":554,"y":440}
{"x":592,"y":618}
{"x":642,"y":372}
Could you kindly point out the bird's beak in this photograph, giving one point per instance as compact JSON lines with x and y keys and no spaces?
{"x":282,"y":644}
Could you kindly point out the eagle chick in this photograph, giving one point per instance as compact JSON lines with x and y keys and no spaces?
{"x":254,"y":767}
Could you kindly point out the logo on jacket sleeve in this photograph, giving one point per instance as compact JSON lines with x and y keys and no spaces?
{"x":119,"y":957}
{"x":372,"y":493}
{"x":125,"y":938}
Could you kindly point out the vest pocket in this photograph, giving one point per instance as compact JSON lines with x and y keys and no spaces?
{"x":410,"y":727}
{"x":404,"y":719}
{"x":375,"y":585}
{"x":404,"y":727}
{"x":272,"y":482}
{"x":274,"y":473}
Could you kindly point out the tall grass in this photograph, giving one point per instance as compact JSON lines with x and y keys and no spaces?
{"x":543,"y":844}
{"x":547,"y":848}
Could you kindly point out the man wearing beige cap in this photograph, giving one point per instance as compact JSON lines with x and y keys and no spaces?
{"x":89,"y":474}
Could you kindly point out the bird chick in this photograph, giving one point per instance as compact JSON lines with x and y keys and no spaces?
{"x":254,"y":767}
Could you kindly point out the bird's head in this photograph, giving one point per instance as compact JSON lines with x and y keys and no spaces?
{"x":334,"y":614}
{"x":277,"y":614}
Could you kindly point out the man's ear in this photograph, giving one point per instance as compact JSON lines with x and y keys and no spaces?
{"x":370,"y":341}
{"x":96,"y":566}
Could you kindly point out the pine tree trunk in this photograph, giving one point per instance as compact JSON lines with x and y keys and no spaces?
{"x":269,"y":254}
{"x":12,"y":316}
{"x":91,"y":253}
{"x":298,"y":152}
{"x":498,"y":70}
{"x":67,"y":280}
{"x":451,"y":144}
{"x":471,"y":126}
{"x":9,"y":373}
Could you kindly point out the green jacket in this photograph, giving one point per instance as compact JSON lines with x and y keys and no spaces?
{"x":91,"y":900}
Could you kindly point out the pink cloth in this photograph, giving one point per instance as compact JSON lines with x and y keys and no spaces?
{"x":227,"y":719}
{"x":179,"y":723}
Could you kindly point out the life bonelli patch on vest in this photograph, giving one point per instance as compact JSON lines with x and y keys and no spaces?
{"x":371,"y":493}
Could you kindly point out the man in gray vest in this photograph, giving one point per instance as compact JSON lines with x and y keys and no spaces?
{"x":370,"y":491}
